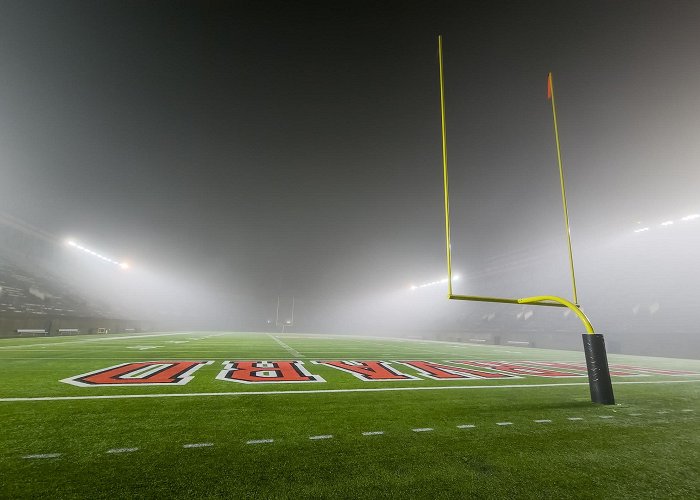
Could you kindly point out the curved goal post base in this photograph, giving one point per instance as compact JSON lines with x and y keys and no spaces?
{"x":598,"y":371}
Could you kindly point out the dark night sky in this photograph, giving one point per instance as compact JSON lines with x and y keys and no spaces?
{"x":295,"y":146}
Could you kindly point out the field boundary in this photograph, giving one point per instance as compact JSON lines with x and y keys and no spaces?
{"x":326,"y":391}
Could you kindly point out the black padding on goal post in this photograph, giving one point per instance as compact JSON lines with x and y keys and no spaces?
{"x":598,"y":371}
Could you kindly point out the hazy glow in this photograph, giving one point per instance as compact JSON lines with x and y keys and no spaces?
{"x":433,"y":283}
{"x":74,"y":244}
{"x":669,"y":223}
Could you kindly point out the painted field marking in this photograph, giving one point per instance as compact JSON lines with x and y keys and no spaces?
{"x":291,"y":350}
{"x":43,"y":455}
{"x":504,"y":423}
{"x":635,"y":414}
{"x":122,"y":450}
{"x":466,"y":426}
{"x":687,"y":410}
{"x":329,"y":391}
{"x":605,"y":416}
{"x":323,"y":436}
{"x":69,"y":342}
{"x":543,"y":421}
{"x":423,"y":429}
{"x":144,"y":347}
{"x":259,"y":441}
{"x":373,"y":433}
{"x":575,"y":418}
{"x":662,"y":412}
{"x":197,"y":445}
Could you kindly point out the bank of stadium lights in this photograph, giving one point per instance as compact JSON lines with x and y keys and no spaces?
{"x":77,"y":246}
{"x":668,"y":223}
{"x":432,"y":283}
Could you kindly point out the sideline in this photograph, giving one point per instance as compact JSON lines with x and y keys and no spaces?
{"x":328,"y":391}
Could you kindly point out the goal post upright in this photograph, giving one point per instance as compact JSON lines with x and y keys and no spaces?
{"x":594,"y":344}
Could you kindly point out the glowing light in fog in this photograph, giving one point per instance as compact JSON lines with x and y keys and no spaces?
{"x":667,"y":223}
{"x":74,"y":244}
{"x":690,"y":217}
{"x":433,"y":283}
{"x":641,"y":230}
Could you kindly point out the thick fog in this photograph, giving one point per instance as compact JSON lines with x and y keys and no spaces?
{"x":269,"y":166}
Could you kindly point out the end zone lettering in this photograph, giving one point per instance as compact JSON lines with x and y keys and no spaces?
{"x":140,"y":373}
{"x":368,"y":371}
{"x":279,"y":372}
{"x":265,"y":372}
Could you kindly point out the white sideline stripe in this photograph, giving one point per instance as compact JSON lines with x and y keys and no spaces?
{"x":575,"y":418}
{"x":291,"y":350}
{"x":43,"y":455}
{"x":373,"y":433}
{"x":324,"y":436}
{"x":197,"y":445}
{"x":423,"y":429}
{"x":504,"y":423}
{"x":331,"y":391}
{"x":466,"y":426}
{"x":98,"y":340}
{"x":122,"y":450}
{"x":259,"y":441}
{"x":543,"y":421}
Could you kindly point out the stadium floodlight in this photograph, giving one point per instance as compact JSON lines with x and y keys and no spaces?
{"x":74,"y":244}
{"x":433,"y":283}
{"x":594,"y":343}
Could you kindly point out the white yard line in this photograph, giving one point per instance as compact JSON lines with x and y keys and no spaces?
{"x":290,"y":350}
{"x":329,"y":391}
{"x":122,"y":450}
{"x":57,"y":343}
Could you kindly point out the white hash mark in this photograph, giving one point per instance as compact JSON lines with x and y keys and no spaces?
{"x":687,"y":410}
{"x":43,"y":455}
{"x":544,"y":421}
{"x":423,"y":429}
{"x":635,"y":414}
{"x":504,"y":423}
{"x":575,"y":418}
{"x":323,"y":436}
{"x":259,"y":441}
{"x":605,"y":416}
{"x":122,"y":450}
{"x":373,"y":433}
{"x":466,"y":426}
{"x":197,"y":445}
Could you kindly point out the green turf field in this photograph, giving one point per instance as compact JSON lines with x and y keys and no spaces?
{"x":524,"y":436}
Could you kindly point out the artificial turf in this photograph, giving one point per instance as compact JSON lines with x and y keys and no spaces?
{"x":646,"y":446}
